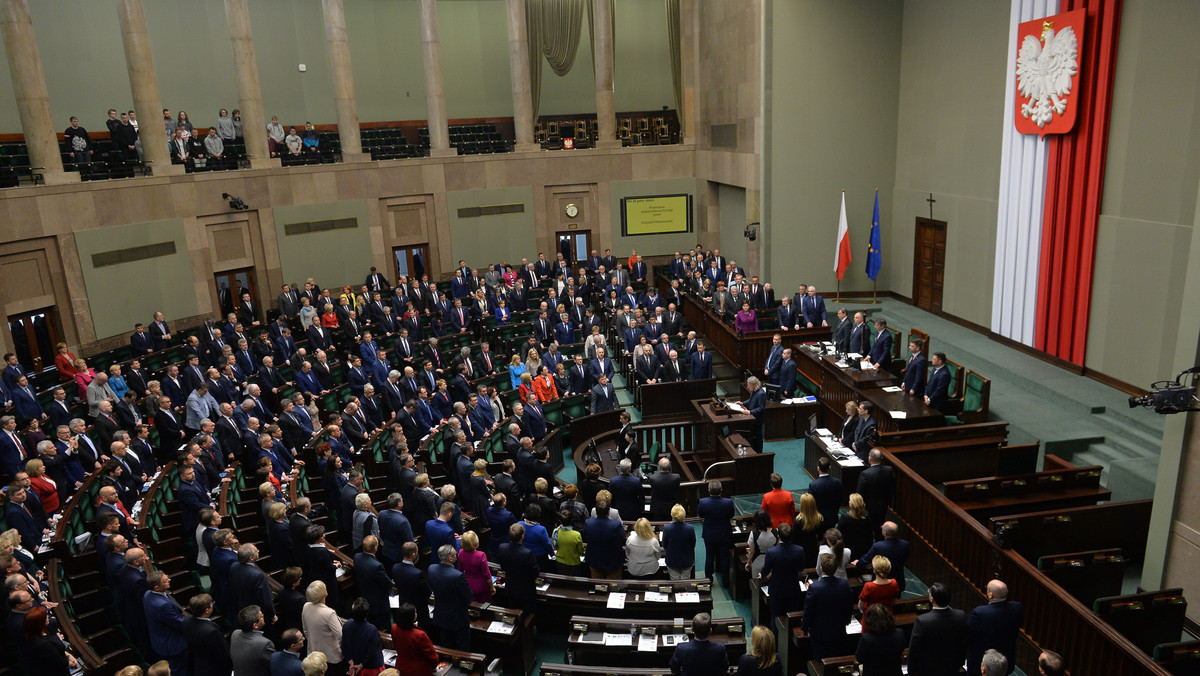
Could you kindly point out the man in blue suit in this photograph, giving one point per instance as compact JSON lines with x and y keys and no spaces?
{"x":286,"y":661}
{"x":21,"y":517}
{"x":394,"y":529}
{"x":756,"y":404}
{"x":411,"y":585}
{"x":774,"y":360}
{"x":812,"y":307}
{"x":601,"y":365}
{"x":249,"y":584}
{"x":914,"y":370}
{"x":534,"y":419}
{"x":374,"y":585}
{"x":451,"y":599}
{"x":131,"y":586}
{"x":12,"y":451}
{"x":700,"y":363}
{"x":628,"y":497}
{"x":716,"y":512}
{"x":787,"y":375}
{"x":781,"y":572}
{"x":881,"y":351}
{"x":937,"y":391}
{"x":891,"y":546}
{"x":140,"y":341}
{"x":860,"y":336}
{"x":699,"y":656}
{"x":164,"y":622}
{"x":605,"y":540}
{"x":439,"y":532}
{"x":25,"y":401}
{"x":994,"y":625}
{"x":827,"y":491}
{"x":827,"y":608}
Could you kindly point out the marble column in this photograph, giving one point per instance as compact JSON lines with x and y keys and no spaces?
{"x":143,"y":82}
{"x":518,"y":62}
{"x":343,"y":82}
{"x":435,"y":96}
{"x":689,"y":46}
{"x":245,"y":65}
{"x":29,"y":89}
{"x":606,"y":114}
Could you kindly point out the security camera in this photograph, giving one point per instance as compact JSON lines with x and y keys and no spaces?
{"x":1170,"y":396}
{"x":751,"y":232}
{"x":235,"y":203}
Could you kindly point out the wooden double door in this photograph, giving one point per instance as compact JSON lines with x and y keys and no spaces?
{"x":929,"y":264}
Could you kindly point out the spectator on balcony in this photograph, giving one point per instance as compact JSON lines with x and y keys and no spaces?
{"x":295,"y":144}
{"x":311,"y":138}
{"x":237,"y":124}
{"x":184,"y":125}
{"x":224,"y":127}
{"x":180,"y":148}
{"x":125,"y":138}
{"x":79,"y":144}
{"x":214,"y":145}
{"x":275,"y":136}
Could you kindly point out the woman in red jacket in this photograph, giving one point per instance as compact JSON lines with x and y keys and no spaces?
{"x":43,"y":485}
{"x":415,"y":655}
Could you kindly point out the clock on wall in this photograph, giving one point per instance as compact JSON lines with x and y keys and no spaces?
{"x":572,"y":210}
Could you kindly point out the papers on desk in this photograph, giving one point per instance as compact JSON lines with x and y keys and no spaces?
{"x":852,"y":461}
{"x":394,"y":601}
{"x":825,"y":433}
{"x":342,"y":572}
{"x":734,"y":406}
{"x":389,"y":657}
{"x":798,"y":400}
{"x":893,"y":388}
{"x":543,"y":587}
{"x":687,"y":597}
{"x":670,"y":640}
{"x":617,"y":600}
{"x":499,"y":627}
{"x":618,"y":639}
{"x":854,"y":355}
{"x":898,"y":415}
{"x":866,"y":365}
{"x":657,"y":597}
{"x":647,"y":643}
{"x":855,"y":627}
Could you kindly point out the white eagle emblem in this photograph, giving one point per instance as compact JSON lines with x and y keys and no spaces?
{"x":1044,"y":72}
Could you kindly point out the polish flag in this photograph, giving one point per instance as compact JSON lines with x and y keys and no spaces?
{"x":841,"y":256}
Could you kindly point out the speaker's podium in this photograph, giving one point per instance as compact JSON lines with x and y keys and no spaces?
{"x":723,"y":444}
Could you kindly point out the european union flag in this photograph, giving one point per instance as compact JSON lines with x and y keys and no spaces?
{"x":875,"y":250}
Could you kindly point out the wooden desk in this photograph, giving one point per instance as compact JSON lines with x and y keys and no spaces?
{"x":917,"y":415}
{"x":847,"y":471}
{"x":751,"y":471}
{"x":794,"y":648}
{"x":585,"y":631}
{"x":1037,"y":534}
{"x":747,"y":351}
{"x":987,"y":497}
{"x":837,"y":385}
{"x":568,"y":595}
{"x":1148,"y":618}
{"x":459,"y":663}
{"x":559,"y":669}
{"x":516,"y":650}
{"x":1086,"y":575}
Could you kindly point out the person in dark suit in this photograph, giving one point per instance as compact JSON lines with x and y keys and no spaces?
{"x":787,"y":375}
{"x":664,"y":490}
{"x":208,"y":651}
{"x":877,"y":485}
{"x":756,"y":404}
{"x":782,"y":569}
{"x":249,"y":648}
{"x":452,"y":597}
{"x":318,"y":563}
{"x":249,"y":583}
{"x":141,"y":342}
{"x":520,"y":568}
{"x":841,"y":335}
{"x":603,"y":397}
{"x":937,"y":391}
{"x":20,"y":517}
{"x":605,"y":541}
{"x":164,"y":622}
{"x":994,"y":625}
{"x":160,"y":333}
{"x":891,"y":546}
{"x":864,"y":431}
{"x":289,"y":603}
{"x":601,"y":365}
{"x":700,"y":363}
{"x":286,"y":661}
{"x":812,"y":307}
{"x":914,"y":370}
{"x":849,"y":425}
{"x":699,"y":656}
{"x":827,"y":491}
{"x":881,"y":352}
{"x":411,"y":585}
{"x":672,"y":368}
{"x":938,"y":646}
{"x":374,"y":585}
{"x":827,"y":607}
{"x":627,"y":496}
{"x":860,"y":336}
{"x":716,"y":511}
